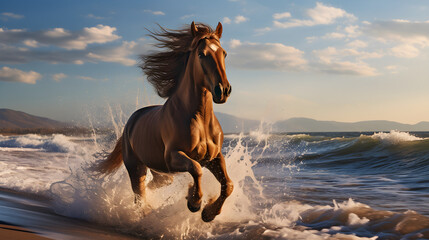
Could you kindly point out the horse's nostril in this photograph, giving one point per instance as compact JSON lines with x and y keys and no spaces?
{"x":218,"y":90}
{"x":229,"y":90}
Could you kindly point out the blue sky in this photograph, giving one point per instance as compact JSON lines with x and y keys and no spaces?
{"x":328,"y":60}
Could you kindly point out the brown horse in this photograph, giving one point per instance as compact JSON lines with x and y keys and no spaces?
{"x":183,"y":135}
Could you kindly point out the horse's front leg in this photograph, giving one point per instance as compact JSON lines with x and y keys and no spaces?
{"x":218,"y":168}
{"x":180,"y":162}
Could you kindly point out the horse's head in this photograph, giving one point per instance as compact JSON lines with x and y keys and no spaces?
{"x":210,"y":60}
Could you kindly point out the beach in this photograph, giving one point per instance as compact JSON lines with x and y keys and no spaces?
{"x":29,"y":216}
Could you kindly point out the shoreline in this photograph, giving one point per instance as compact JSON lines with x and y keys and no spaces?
{"x":29,"y":216}
{"x":12,"y":232}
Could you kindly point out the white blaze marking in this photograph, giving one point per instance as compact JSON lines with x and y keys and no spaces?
{"x":213,"y":46}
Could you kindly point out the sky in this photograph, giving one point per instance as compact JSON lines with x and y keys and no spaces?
{"x":328,"y":60}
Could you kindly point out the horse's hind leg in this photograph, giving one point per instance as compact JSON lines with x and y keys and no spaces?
{"x":137,"y":175}
{"x":137,"y":172}
{"x":218,"y":168}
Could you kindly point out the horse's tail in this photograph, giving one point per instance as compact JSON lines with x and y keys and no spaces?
{"x":113,"y":160}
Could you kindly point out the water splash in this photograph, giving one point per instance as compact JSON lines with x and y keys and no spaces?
{"x":109,"y":200}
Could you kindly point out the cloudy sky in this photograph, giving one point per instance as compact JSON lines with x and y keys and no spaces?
{"x":328,"y":60}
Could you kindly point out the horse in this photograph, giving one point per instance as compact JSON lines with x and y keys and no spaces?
{"x":183,"y":134}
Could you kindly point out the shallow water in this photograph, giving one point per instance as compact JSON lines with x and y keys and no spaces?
{"x":287,"y":186}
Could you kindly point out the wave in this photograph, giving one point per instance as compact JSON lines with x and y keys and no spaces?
{"x":346,"y":220}
{"x":33,"y":142}
{"x":379,"y":146}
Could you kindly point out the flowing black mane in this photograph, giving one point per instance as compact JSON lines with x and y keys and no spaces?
{"x":164,"y":68}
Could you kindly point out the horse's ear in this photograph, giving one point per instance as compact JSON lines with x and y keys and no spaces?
{"x":194,"y":29}
{"x":219,"y":30}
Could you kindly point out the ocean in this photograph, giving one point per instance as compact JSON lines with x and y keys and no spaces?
{"x":287,"y":186}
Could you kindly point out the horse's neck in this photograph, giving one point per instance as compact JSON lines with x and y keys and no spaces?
{"x":192,"y":97}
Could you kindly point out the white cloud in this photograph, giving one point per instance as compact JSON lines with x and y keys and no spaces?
{"x":57,"y":33}
{"x":125,"y":54}
{"x":345,"y":61}
{"x":409,"y":36}
{"x":348,"y":68}
{"x":91,"y":78}
{"x":118,"y":55}
{"x":352,"y":31}
{"x":278,"y":16}
{"x":239,"y":19}
{"x":357,"y":44}
{"x":7,"y":15}
{"x":16,"y":54}
{"x":75,"y":47}
{"x":62,"y":38}
{"x":159,"y":13}
{"x":30,"y":43}
{"x":86,"y":78}
{"x":334,"y":53}
{"x":98,"y":34}
{"x":393,"y":69}
{"x":260,"y":31}
{"x":187,"y":16}
{"x":323,"y":14}
{"x":320,"y":15}
{"x":405,"y":51}
{"x":94,"y":17}
{"x":15,"y":75}
{"x":273,"y":56}
{"x":57,"y":77}
{"x":334,"y":35}
{"x":234,"y":43}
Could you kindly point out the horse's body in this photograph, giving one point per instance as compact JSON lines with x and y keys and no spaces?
{"x":183,"y":135}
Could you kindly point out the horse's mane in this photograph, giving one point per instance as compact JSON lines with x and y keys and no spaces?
{"x":164,"y":68}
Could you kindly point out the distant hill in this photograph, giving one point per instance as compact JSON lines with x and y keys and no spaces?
{"x":11,"y":119}
{"x":311,"y":125}
{"x":232,"y":124}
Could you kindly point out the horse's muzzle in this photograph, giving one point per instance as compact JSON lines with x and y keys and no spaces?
{"x":220,"y":93}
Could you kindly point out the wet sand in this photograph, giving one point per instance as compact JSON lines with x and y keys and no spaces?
{"x":27,"y":216}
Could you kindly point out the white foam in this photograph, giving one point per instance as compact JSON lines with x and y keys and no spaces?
{"x":20,"y":149}
{"x":354,"y":220}
{"x":395,"y":137}
{"x":34,"y":142}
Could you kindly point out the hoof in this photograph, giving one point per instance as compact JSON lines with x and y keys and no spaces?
{"x":194,"y":209}
{"x":206,"y":216}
